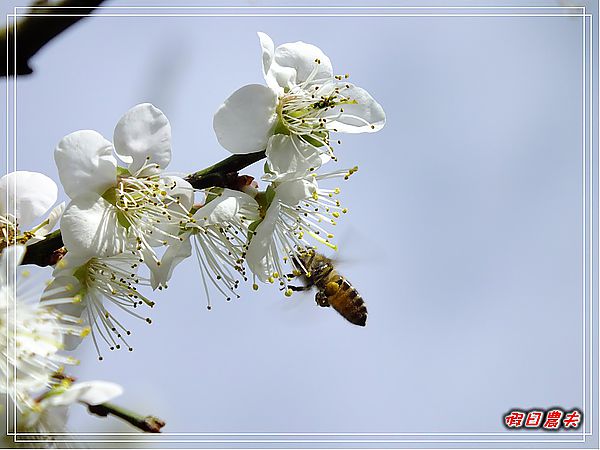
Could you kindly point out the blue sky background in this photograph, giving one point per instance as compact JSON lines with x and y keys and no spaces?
{"x":464,"y":234}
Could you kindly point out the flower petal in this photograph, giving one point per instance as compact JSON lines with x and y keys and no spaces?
{"x":90,"y":227}
{"x":289,"y":158}
{"x":10,"y":259}
{"x":54,"y":418}
{"x":180,"y":189}
{"x":364,"y":116}
{"x":175,"y":253}
{"x":291,"y":192}
{"x":244,"y":123}
{"x":63,"y":287}
{"x":85,"y":163}
{"x":28,"y":195}
{"x":89,"y":392}
{"x":48,"y":224}
{"x":268,"y":53}
{"x":262,"y":249}
{"x":97,"y":392}
{"x":144,"y":135}
{"x":61,"y":292}
{"x":225,"y":208}
{"x":308,"y":63}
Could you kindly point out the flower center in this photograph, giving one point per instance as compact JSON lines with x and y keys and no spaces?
{"x":148,"y":209}
{"x":307,"y":109}
{"x":9,"y":232}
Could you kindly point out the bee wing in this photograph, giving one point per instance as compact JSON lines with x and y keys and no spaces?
{"x":356,"y":249}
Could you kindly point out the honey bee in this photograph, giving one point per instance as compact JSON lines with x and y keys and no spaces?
{"x":333,"y":289}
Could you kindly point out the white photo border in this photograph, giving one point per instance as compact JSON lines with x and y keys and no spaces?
{"x":590,"y":224}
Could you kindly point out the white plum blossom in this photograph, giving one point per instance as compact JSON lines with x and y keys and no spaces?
{"x":303,"y":98}
{"x":31,"y":334}
{"x":49,"y":413}
{"x":24,"y":197}
{"x":294,"y":208}
{"x":112,"y":206}
{"x":94,"y":283}
{"x":218,"y":234}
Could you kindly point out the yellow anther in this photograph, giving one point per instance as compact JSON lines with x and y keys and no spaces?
{"x":322,"y":241}
{"x":255,"y":287}
{"x":345,"y":210}
{"x":288,"y":293}
{"x":275,"y":274}
{"x":329,"y":236}
{"x":85,"y":332}
{"x":315,"y":195}
{"x":335,"y":214}
{"x":77,"y":298}
{"x":337,"y":190}
{"x":270,"y":279}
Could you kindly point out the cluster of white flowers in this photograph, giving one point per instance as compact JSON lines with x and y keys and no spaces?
{"x":292,"y":118}
{"x":128,"y":224}
{"x":33,"y":334}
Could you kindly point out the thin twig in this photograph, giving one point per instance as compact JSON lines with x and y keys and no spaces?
{"x":217,"y":175}
{"x":149,"y":424}
{"x":45,"y":253}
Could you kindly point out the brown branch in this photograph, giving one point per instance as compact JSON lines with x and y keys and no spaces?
{"x":149,"y":424}
{"x":220,"y":173}
{"x":36,"y":30}
{"x":45,"y":253}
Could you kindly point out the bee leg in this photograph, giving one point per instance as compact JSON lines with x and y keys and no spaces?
{"x":321,"y":299}
{"x":298,"y":288}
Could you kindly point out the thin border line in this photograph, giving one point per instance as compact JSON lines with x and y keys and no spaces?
{"x":585,"y":16}
{"x":301,"y":15}
{"x":305,"y":7}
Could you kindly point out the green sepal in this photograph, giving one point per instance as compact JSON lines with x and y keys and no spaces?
{"x":122,"y":219}
{"x":213,"y":193}
{"x":264,"y":199}
{"x":280,"y":128}
{"x":252,"y":228}
{"x":270,"y":194}
{"x":123,"y":172}
{"x":57,"y":389}
{"x":266,"y":168}
{"x":324,"y":135}
{"x":110,"y":195}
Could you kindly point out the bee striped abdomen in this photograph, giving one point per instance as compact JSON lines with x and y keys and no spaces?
{"x":346,"y":300}
{"x":332,"y":288}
